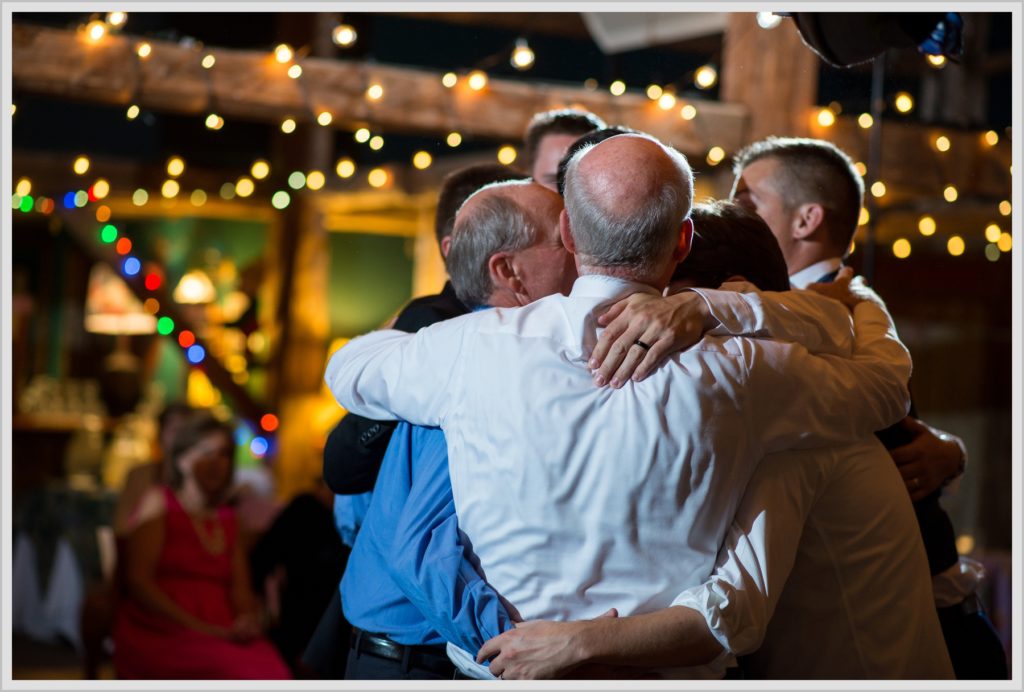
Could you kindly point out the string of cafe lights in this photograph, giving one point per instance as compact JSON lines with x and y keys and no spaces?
{"x":476,"y":80}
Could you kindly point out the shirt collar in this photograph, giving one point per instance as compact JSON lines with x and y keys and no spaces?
{"x":608,"y":287}
{"x":809,"y":275}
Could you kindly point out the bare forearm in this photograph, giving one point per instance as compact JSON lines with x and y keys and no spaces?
{"x":676,"y":636}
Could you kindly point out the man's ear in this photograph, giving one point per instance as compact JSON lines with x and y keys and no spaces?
{"x":809,"y":218}
{"x":446,"y":245}
{"x":503,"y":273}
{"x":566,"y":232}
{"x":685,"y":241}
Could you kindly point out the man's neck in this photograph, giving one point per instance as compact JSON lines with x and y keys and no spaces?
{"x":626,"y":275}
{"x":814,"y":271}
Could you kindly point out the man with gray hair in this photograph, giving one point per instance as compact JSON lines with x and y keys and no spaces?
{"x":579,"y":499}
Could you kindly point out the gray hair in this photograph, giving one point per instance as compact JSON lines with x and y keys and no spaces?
{"x":636,"y":238}
{"x":496,"y":224}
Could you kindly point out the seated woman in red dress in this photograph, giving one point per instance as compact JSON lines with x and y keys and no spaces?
{"x":188,"y":611}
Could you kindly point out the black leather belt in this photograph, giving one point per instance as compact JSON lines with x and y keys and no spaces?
{"x":431,"y":658}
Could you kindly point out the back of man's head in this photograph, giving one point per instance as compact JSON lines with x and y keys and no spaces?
{"x":813,"y":171}
{"x":627,"y":199}
{"x":589,"y":139}
{"x":729,"y":241}
{"x":460,"y":184}
{"x":497,"y":218}
{"x":562,"y":121}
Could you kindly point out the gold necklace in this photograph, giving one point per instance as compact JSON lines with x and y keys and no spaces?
{"x":212,"y":540}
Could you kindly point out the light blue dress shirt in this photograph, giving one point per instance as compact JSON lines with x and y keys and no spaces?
{"x":409,"y":576}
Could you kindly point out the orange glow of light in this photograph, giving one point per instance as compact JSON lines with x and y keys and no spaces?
{"x":269,"y":422}
{"x":186,"y":338}
{"x":103,"y":213}
{"x":151,"y":306}
{"x":124,"y":246}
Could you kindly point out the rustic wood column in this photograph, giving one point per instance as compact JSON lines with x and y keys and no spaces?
{"x":299,"y":261}
{"x":771,"y":72}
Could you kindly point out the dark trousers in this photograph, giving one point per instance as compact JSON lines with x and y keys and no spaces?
{"x":413,"y":663}
{"x":327,"y":650}
{"x":974,"y":646}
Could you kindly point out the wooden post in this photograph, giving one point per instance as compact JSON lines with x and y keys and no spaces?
{"x":772,"y":73}
{"x":298,"y":263}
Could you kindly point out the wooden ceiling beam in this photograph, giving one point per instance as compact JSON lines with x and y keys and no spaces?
{"x":251,"y":85}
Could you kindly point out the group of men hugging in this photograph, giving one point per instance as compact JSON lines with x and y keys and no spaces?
{"x":640,"y":437}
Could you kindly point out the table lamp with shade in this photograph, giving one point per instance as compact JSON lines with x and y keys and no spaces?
{"x":112,"y":308}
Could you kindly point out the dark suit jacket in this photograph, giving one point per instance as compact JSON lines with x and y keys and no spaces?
{"x":355,"y":448}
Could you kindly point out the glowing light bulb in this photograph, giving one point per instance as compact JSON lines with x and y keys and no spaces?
{"x":132,"y":113}
{"x":1005,"y":242}
{"x":140,"y":197}
{"x":283,"y":53}
{"x":826,"y":118}
{"x":991,"y":138}
{"x":901,"y":248}
{"x":175,"y":166}
{"x":865,"y":120}
{"x":324,"y":118}
{"x":260,"y":169}
{"x":937,"y":61}
{"x":100,"y":189}
{"x":214,"y":121}
{"x":904,"y":102}
{"x":715,"y":155}
{"x":170,"y":189}
{"x":950,"y":193}
{"x":942,"y":143}
{"x":506,"y":155}
{"x":96,"y":30}
{"x":864,"y":217}
{"x":117,"y":19}
{"x":617,"y":88}
{"x":955,"y":245}
{"x":297,"y":180}
{"x":288,"y":126}
{"x":144,"y":50}
{"x":861,"y":168}
{"x":244,"y":187}
{"x":1005,"y":208}
{"x":449,"y":79}
{"x":344,"y":35}
{"x":878,"y":188}
{"x":522,"y":55}
{"x":422,"y":160}
{"x":454,"y":139}
{"x":667,"y":101}
{"x":477,"y":80}
{"x":198,"y":198}
{"x":705,"y":77}
{"x":378,"y":177}
{"x":209,"y":61}
{"x":654,"y":92}
{"x":992,"y":233}
{"x":376,"y":143}
{"x":926,"y":225}
{"x":345,"y":168}
{"x":375,"y":92}
{"x":362,"y":135}
{"x":295,"y":71}
{"x":81,"y":165}
{"x":23,"y":188}
{"x":688,"y":112}
{"x":315,"y":180}
{"x":280,"y":200}
{"x":768,"y":20}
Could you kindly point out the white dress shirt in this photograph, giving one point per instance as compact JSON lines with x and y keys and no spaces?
{"x":823,"y":574}
{"x":811,"y":274}
{"x":577,"y":498}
